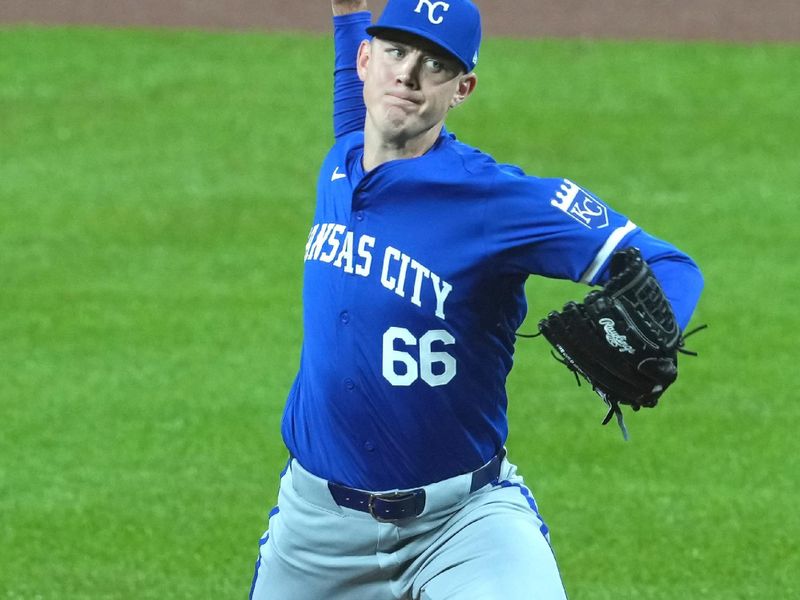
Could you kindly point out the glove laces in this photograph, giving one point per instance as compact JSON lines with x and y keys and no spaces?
{"x":614,"y":409}
{"x":613,"y":405}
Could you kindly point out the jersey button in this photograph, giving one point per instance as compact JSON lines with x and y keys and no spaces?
{"x":360,"y":215}
{"x":349,"y":384}
{"x":369,"y":446}
{"x":344,"y":317}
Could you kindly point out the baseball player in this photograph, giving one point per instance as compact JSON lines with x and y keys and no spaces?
{"x":398,"y":483}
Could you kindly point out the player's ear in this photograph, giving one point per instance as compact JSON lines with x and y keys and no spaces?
{"x":466,"y":85}
{"x":362,"y":60}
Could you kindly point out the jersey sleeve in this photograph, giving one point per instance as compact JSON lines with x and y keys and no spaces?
{"x":349,"y":111}
{"x":550,"y":227}
{"x":555,"y":228}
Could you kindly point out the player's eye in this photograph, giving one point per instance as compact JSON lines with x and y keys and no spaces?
{"x":435,"y":66}
{"x":395,"y":52}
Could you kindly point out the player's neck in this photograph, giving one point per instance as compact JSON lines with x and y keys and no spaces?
{"x":378,"y":149}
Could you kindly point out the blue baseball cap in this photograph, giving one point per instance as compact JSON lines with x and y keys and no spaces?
{"x":454,"y":25}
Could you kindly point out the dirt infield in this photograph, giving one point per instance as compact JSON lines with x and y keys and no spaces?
{"x":734,"y":20}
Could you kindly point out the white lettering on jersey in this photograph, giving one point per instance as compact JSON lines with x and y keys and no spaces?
{"x":421,"y":272}
{"x":442,"y":290}
{"x":412,"y":369}
{"x":345,"y":257}
{"x":394,"y":277}
{"x":333,"y":243}
{"x":311,"y":236}
{"x":322,"y":236}
{"x":391,"y":255}
{"x":327,"y":234}
{"x":581,"y":206}
{"x":401,"y":277}
{"x":365,"y":244}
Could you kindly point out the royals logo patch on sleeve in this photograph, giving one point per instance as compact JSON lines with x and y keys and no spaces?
{"x":580,"y":205}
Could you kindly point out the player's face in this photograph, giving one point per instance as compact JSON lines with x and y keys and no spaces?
{"x":409,"y":86}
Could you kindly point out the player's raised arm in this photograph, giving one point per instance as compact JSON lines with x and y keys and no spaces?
{"x":350,"y":20}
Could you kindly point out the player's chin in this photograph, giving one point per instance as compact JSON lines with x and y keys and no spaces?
{"x":397,"y":122}
{"x":394,"y":113}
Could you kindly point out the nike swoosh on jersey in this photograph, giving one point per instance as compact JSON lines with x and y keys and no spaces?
{"x":336,"y":175}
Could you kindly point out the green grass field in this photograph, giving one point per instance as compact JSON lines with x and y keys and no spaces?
{"x":156,"y":190}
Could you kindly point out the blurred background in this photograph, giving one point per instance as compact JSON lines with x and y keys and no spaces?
{"x":753,"y":20}
{"x":157,"y":179}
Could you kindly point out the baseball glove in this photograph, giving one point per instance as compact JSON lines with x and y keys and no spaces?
{"x":623,"y":339}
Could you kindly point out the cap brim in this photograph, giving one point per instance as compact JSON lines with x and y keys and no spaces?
{"x":376,"y":30}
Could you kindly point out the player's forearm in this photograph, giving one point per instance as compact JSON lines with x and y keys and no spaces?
{"x":349,"y":111}
{"x":346,"y":7}
{"x":682,"y":283}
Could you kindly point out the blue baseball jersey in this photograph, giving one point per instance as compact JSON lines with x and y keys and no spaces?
{"x":413,"y":291}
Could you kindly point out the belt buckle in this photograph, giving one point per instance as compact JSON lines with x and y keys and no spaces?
{"x":390,"y":497}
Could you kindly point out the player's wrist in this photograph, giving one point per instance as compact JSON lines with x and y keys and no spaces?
{"x":346,"y":7}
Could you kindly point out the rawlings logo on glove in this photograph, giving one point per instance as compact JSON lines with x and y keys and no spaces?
{"x":615,"y":339}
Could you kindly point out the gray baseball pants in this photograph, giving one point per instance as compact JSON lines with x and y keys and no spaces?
{"x":485,"y":545}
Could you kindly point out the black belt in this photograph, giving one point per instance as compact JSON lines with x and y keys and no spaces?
{"x":396,"y":506}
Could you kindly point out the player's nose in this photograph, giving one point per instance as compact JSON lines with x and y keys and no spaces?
{"x":408,"y":73}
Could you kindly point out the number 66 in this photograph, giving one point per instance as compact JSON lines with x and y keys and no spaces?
{"x":392,"y":358}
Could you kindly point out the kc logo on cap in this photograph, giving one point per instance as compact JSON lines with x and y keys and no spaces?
{"x":432,"y":10}
{"x":453,"y":25}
